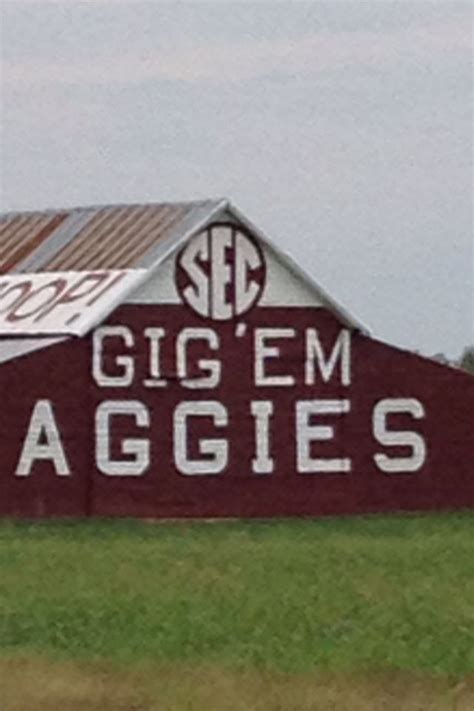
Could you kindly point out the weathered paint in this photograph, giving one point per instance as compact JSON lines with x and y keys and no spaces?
{"x":225,"y":405}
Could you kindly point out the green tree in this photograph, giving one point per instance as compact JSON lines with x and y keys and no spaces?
{"x":467,"y":359}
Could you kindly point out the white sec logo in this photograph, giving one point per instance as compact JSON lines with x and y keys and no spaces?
{"x":220,"y":274}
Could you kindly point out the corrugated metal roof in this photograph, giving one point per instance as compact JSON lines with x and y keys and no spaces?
{"x":82,"y":239}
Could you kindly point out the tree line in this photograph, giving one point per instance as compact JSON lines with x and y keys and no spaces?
{"x":467,"y":359}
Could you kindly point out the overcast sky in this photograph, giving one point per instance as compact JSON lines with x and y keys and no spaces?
{"x":343,"y":129}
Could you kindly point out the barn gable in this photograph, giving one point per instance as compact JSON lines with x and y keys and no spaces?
{"x":115,"y":255}
{"x":281,"y":283}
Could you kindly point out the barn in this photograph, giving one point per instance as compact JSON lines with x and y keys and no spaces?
{"x":168,"y":360}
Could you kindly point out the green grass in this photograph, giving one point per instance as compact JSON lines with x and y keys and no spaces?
{"x":354,"y":595}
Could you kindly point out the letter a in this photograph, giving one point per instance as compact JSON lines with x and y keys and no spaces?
{"x":42,"y":427}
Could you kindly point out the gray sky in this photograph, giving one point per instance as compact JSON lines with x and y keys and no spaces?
{"x":343,"y":129}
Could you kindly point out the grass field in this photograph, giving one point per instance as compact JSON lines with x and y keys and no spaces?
{"x":362,"y":613}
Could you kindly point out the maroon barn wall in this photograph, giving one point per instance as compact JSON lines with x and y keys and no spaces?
{"x":121,"y":407}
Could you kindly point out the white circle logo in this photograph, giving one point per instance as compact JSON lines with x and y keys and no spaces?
{"x":220,"y":274}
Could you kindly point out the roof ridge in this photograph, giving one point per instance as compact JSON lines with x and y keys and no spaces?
{"x":108,"y":206}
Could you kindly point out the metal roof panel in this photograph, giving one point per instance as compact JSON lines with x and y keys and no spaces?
{"x":103,"y":237}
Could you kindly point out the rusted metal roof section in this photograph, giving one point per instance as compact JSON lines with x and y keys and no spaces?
{"x":23,"y":234}
{"x":61,"y":303}
{"x":81,"y":239}
{"x":117,"y":239}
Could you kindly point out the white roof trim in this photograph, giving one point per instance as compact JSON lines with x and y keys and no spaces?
{"x":225,"y":205}
{"x":14,"y":348}
{"x":171,"y":245}
{"x":340,"y":311}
